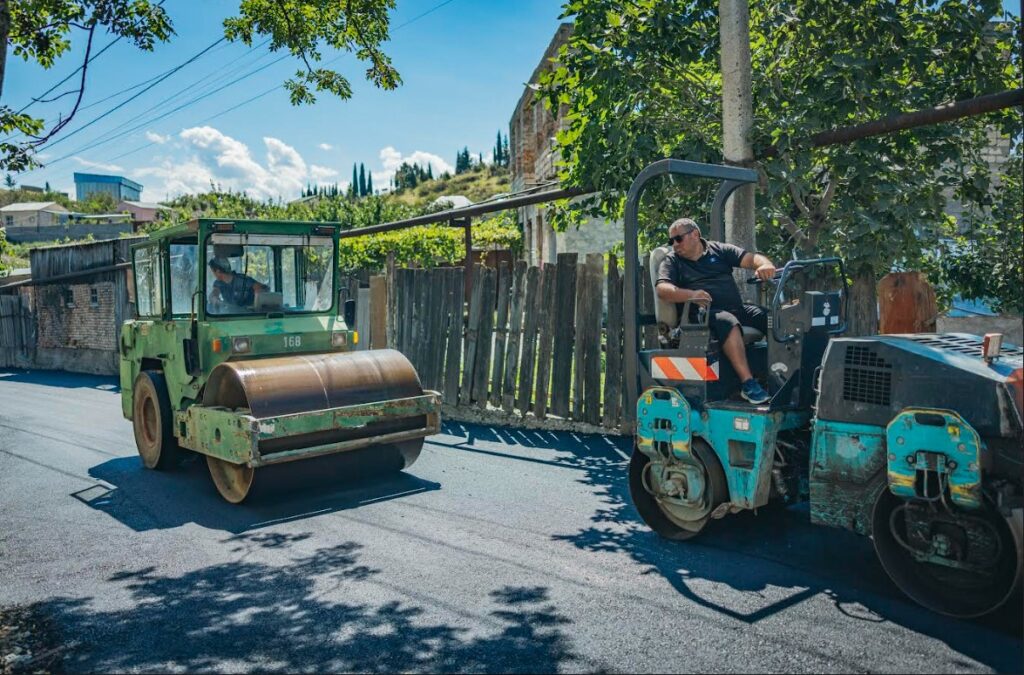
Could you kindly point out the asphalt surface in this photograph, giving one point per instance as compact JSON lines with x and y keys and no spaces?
{"x":499,"y":550}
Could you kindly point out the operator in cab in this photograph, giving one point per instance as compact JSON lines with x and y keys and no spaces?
{"x":701,"y":271}
{"x":233,"y":288}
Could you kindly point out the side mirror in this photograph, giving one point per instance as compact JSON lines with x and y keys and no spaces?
{"x":350,"y":313}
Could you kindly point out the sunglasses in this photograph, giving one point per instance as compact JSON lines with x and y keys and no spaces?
{"x":679,"y":237}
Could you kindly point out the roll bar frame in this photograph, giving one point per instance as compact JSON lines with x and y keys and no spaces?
{"x":732,"y":177}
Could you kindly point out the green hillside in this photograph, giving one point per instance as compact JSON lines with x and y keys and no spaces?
{"x":477,"y":184}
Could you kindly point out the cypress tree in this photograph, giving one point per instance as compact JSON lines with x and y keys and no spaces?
{"x":353,"y":187}
{"x":430,"y":171}
{"x":362,"y":180}
{"x":506,"y":156}
{"x":369,"y":183}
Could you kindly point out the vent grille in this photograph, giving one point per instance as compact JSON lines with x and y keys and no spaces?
{"x":963,"y":344}
{"x":867,"y":377}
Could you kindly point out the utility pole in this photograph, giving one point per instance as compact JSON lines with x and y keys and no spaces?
{"x":737,"y":117}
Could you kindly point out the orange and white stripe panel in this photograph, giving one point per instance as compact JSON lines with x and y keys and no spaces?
{"x":683,"y":368}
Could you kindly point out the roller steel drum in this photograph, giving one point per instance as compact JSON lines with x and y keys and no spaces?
{"x":303,"y":383}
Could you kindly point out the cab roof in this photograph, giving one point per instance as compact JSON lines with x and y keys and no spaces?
{"x":263,"y":226}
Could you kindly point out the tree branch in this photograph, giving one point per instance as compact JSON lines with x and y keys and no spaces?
{"x":81,"y":92}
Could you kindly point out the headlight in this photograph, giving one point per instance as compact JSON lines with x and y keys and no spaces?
{"x":240,"y":345}
{"x":339,"y":339}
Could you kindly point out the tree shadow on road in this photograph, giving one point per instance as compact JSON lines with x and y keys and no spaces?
{"x":149,"y":500}
{"x":61,"y":379}
{"x":751,"y":566}
{"x":299,"y":616}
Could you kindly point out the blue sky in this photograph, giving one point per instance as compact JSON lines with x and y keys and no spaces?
{"x":464,"y":66}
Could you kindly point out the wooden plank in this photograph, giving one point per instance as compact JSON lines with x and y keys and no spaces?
{"x":429,"y":336}
{"x":545,"y":341}
{"x":564,"y":335}
{"x":515,"y":333}
{"x":501,"y":334}
{"x":378,"y":312}
{"x":592,"y":339}
{"x":401,"y":307}
{"x":438,"y":308}
{"x":532,"y":304}
{"x":413,"y":327}
{"x":455,"y":291}
{"x":578,"y":356}
{"x":390,"y":275}
{"x":472,"y":335}
{"x":613,"y":347}
{"x":485,"y":340}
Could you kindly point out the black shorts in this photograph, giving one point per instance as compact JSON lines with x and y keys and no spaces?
{"x":722,"y":321}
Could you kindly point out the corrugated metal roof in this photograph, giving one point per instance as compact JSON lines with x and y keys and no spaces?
{"x":34,"y":206}
{"x":145,"y":205}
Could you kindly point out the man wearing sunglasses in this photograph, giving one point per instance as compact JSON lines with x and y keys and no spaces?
{"x":701,"y":271}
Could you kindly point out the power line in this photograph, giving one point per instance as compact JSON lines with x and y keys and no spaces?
{"x":92,"y":58}
{"x":115,"y":131}
{"x":132,"y":98}
{"x":210,"y":93}
{"x":104,"y":141}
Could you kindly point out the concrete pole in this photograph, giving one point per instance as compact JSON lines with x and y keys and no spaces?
{"x":737,"y":116}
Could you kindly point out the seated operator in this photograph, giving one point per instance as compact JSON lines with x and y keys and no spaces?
{"x":701,"y":271}
{"x":233,"y":288}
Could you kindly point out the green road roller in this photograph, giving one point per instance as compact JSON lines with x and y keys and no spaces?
{"x":243,"y":350}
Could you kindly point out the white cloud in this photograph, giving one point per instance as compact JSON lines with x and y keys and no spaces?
{"x":157,"y":138}
{"x":97,"y":165}
{"x":321,"y":173}
{"x":325,"y":146}
{"x":219,"y":158}
{"x":391,"y":159}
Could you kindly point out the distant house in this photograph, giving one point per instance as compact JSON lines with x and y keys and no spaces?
{"x":29,"y":218}
{"x":531,"y":135}
{"x":118,"y":187}
{"x":49,"y":221}
{"x":142,"y":212}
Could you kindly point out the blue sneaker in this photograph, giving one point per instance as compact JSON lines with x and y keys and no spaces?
{"x":754,"y":392}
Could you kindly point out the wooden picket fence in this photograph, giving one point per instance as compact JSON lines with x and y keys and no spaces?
{"x":541,"y":341}
{"x":17,"y":331}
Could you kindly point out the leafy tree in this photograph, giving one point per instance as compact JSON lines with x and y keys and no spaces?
{"x":41,"y":31}
{"x":640,"y":81}
{"x":986,"y":260}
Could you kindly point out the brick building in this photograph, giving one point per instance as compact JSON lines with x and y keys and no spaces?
{"x":79,"y":298}
{"x":531,"y":135}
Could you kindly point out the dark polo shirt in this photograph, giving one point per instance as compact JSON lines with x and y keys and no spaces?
{"x":712,"y":272}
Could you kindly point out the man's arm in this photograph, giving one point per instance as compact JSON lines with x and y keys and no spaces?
{"x":669,"y":292}
{"x":762,"y":266}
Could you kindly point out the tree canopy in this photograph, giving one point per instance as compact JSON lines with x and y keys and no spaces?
{"x":42,"y":30}
{"x":639,"y":80}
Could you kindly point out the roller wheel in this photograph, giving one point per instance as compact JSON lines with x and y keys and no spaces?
{"x":233,"y":481}
{"x":670,"y":520}
{"x":985,"y":541}
{"x":410,"y":451}
{"x":153,"y":423}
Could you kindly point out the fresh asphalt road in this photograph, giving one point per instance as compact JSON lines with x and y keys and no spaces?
{"x":499,"y":550}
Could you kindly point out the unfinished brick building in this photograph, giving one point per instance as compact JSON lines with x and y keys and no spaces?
{"x":532,"y":131}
